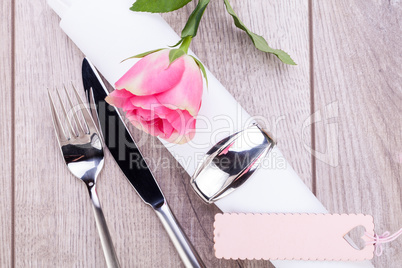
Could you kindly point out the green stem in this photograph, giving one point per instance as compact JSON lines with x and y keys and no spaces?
{"x":191,"y":27}
{"x":186,"y":43}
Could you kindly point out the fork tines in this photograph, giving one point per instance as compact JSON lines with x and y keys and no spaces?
{"x":71,"y":126}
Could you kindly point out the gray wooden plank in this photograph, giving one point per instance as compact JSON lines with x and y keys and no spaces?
{"x":357,"y":68}
{"x":5,"y":133}
{"x":54,"y":222}
{"x":54,"y":219}
{"x":263,"y":85}
{"x":277,"y":94}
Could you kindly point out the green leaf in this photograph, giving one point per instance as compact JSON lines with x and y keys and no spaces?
{"x":191,"y":27}
{"x":258,"y":41}
{"x":178,"y":43}
{"x":174,"y":54}
{"x":143,"y":54}
{"x":204,"y":73}
{"x":158,"y":6}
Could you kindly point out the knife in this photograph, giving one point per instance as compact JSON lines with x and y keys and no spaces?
{"x":129,"y":158}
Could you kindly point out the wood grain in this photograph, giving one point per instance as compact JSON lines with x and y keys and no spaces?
{"x":54,"y":222}
{"x":356,"y":64}
{"x":357,"y":67}
{"x":279,"y":93}
{"x":50,"y":237}
{"x":5,"y":133}
{"x":276,"y":94}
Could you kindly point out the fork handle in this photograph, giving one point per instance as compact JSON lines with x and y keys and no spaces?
{"x":106,"y":240}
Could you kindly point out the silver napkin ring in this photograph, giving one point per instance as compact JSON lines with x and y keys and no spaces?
{"x":230,"y":162}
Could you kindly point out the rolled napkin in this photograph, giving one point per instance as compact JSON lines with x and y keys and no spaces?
{"x":107,"y":32}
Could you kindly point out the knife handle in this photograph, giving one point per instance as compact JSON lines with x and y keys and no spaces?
{"x":187,"y":252}
{"x":106,"y":239}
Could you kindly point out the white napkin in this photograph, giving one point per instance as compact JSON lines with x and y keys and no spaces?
{"x":107,"y":32}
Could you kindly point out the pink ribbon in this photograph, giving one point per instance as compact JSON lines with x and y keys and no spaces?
{"x":378,"y":240}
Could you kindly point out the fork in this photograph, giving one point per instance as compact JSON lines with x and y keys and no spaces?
{"x":82,"y":150}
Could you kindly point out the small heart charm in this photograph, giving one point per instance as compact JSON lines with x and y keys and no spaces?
{"x":355,"y":237}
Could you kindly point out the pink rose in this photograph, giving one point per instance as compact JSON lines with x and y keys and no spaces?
{"x":159,"y":99}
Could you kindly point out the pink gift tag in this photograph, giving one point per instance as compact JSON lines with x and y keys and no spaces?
{"x":292,"y":236}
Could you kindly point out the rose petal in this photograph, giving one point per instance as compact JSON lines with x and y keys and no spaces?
{"x":179,"y":138}
{"x":180,"y":119}
{"x":186,"y":95}
{"x":152,"y":127}
{"x":128,"y":106}
{"x":146,"y":102}
{"x":167,"y":129}
{"x":118,"y":98}
{"x":151,"y":74}
{"x":161,"y":101}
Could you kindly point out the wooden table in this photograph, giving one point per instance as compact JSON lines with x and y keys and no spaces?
{"x":337,"y":117}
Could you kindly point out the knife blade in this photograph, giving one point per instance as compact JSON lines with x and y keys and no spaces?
{"x":127,"y":156}
{"x":130,"y":160}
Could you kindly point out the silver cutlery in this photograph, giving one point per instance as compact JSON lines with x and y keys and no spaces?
{"x":123,"y":148}
{"x":82,"y":150}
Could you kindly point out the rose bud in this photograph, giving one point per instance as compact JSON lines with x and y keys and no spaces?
{"x":161,"y":98}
